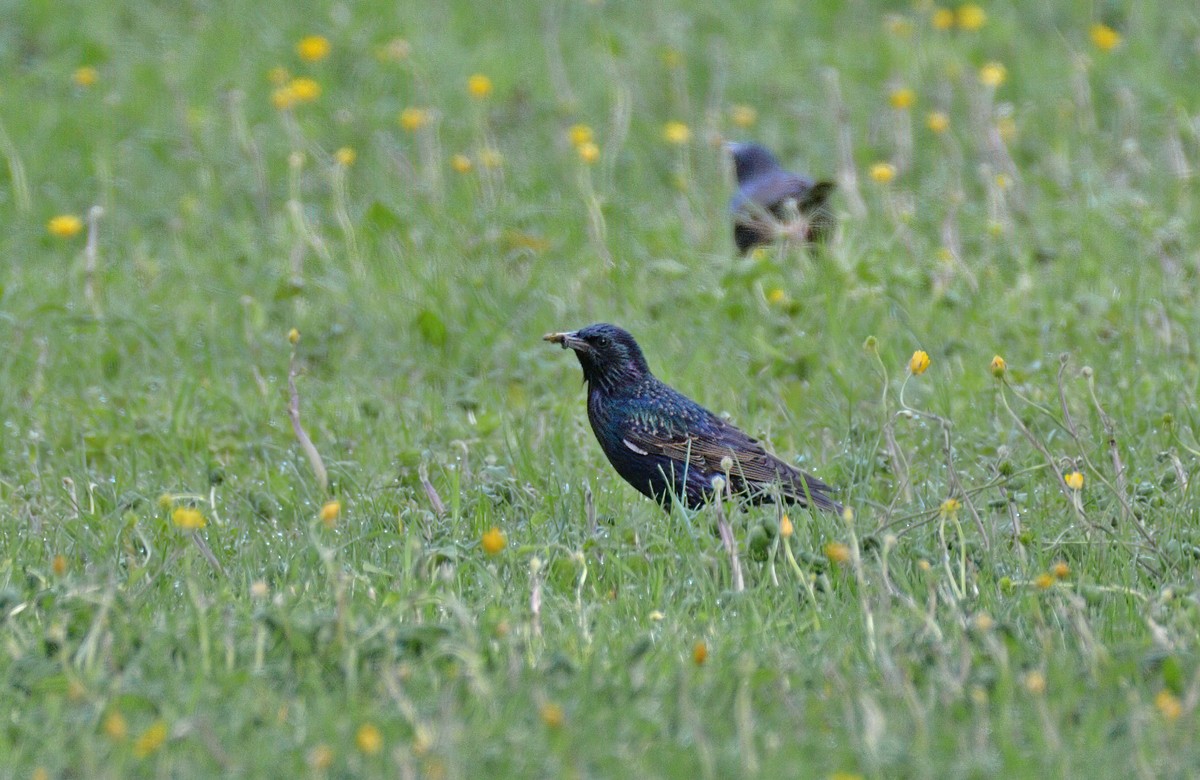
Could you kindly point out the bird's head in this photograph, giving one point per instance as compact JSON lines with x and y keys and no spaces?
{"x":750,"y":159}
{"x":609,"y":355}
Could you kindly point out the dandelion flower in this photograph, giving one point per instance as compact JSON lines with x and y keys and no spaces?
{"x":579,"y":134}
{"x":368,"y":739}
{"x":943,"y":19}
{"x":86,"y":76}
{"x":345,"y":156}
{"x":970,"y":17}
{"x":837,"y":552}
{"x":743,"y":116}
{"x":937,"y":121}
{"x":1105,"y":37}
{"x":115,"y":727}
{"x":479,"y":86}
{"x":983,"y":622}
{"x":1074,"y":480}
{"x":64,"y":225}
{"x":259,"y":589}
{"x":330,"y":512}
{"x":919,"y":362}
{"x":460,"y":163}
{"x":320,"y":757}
{"x":304,"y":89}
{"x":882,"y":172}
{"x":1043,"y":581}
{"x":493,"y":541}
{"x":950,"y":507}
{"x":151,"y":739}
{"x":1168,"y":705}
{"x":188,"y":519}
{"x":992,"y":74}
{"x":777,"y":296}
{"x":700,"y":653}
{"x":786,"y":529}
{"x":283,"y":98}
{"x":59,"y":565}
{"x":313,"y":48}
{"x":413,"y":118}
{"x":1060,"y":570}
{"x":552,"y":715}
{"x":676,"y":132}
{"x":293,"y":338}
{"x":588,"y":152}
{"x":1035,"y":683}
{"x":998,"y":367}
{"x":490,"y":158}
{"x":902,"y":98}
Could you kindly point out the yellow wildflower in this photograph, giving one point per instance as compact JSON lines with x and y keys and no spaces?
{"x":151,"y":739}
{"x":552,"y":715}
{"x":902,"y":98}
{"x":983,"y":622}
{"x":999,"y":367}
{"x":313,"y":48}
{"x":115,"y":726}
{"x":1043,"y":581}
{"x":937,"y":121}
{"x":460,"y":163}
{"x":1168,"y":705}
{"x":479,"y":86}
{"x":943,"y":19}
{"x":304,"y":89}
{"x":85,"y":76}
{"x":883,"y":172}
{"x":676,"y":132}
{"x":950,"y":507}
{"x":345,"y":156}
{"x":413,"y":118}
{"x":786,"y":529}
{"x":59,"y":565}
{"x":743,"y":116}
{"x":368,"y":739}
{"x":1074,"y":480}
{"x":1035,"y":683}
{"x":971,"y":17}
{"x":919,"y":362}
{"x":837,"y":552}
{"x":64,"y":225}
{"x":293,"y":338}
{"x":777,"y":296}
{"x":992,"y":74}
{"x":700,"y":653}
{"x":1105,"y":37}
{"x":589,"y":152}
{"x":330,"y":512}
{"x":187,"y":518}
{"x":580,"y":134}
{"x":283,"y":98}
{"x":493,"y":541}
{"x":1060,"y":570}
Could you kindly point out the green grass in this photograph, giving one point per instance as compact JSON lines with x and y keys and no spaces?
{"x":266,"y":643}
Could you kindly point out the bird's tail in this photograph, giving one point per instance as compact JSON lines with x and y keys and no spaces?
{"x":807,"y":490}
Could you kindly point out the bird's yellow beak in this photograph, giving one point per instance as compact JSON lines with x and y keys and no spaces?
{"x":568,"y":340}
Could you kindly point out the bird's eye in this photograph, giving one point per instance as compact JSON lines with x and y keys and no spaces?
{"x":602,"y":341}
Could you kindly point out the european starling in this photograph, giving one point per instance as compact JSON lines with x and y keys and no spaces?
{"x":665,"y":444}
{"x":771,"y":203}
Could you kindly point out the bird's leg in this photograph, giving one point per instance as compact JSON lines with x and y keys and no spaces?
{"x":739,"y":583}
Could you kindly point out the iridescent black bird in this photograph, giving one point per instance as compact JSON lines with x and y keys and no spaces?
{"x":665,"y":444}
{"x":761,"y":209}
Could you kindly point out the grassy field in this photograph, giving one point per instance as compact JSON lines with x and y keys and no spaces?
{"x":1017,"y":590}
